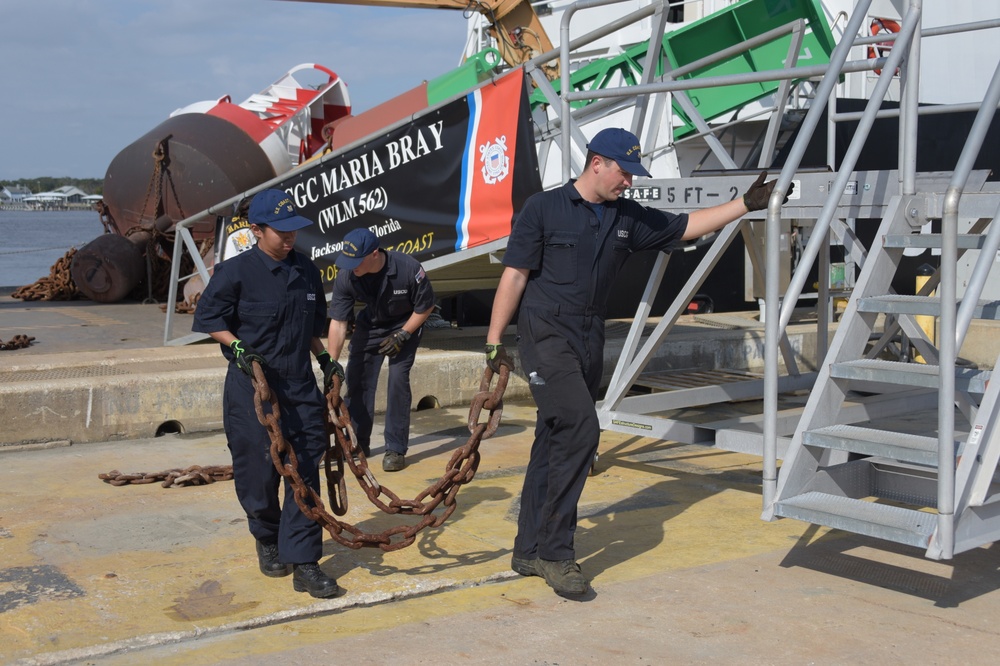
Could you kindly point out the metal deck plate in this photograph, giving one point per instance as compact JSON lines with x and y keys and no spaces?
{"x":677,"y":380}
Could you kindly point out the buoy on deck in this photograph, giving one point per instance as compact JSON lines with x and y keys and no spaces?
{"x":108,"y":268}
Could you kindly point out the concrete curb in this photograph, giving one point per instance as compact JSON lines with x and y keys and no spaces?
{"x":140,"y":393}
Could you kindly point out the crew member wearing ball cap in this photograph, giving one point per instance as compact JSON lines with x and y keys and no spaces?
{"x":565,"y":248}
{"x":621,"y":146}
{"x":398,"y":299}
{"x":266,"y":306}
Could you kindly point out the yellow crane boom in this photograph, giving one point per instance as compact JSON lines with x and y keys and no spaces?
{"x":513,"y":23}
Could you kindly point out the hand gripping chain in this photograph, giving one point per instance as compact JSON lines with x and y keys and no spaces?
{"x":461,"y":468}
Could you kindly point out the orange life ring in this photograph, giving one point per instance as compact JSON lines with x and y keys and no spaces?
{"x":881,"y":49}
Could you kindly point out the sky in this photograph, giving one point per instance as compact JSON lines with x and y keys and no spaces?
{"x":83,"y":79}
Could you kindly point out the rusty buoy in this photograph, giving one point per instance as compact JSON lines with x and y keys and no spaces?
{"x":108,"y":268}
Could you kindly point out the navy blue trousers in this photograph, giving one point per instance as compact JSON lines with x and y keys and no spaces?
{"x":364,"y":364}
{"x":567,"y":434}
{"x":299,"y":538}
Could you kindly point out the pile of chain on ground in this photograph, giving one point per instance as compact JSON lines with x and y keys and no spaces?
{"x":17,"y":342}
{"x":57,"y":286}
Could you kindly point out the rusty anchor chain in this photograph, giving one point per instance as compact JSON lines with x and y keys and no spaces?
{"x":460,"y":469}
{"x":195,"y":475}
{"x":19,"y":341}
{"x":57,"y":286}
{"x":161,"y":173}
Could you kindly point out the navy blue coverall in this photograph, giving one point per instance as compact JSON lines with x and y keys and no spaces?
{"x":390,"y":297}
{"x":276,"y":308}
{"x":572,"y":255}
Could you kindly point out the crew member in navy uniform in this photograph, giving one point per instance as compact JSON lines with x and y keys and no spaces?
{"x":565,"y":248}
{"x":267,"y":305}
{"x":398,"y":299}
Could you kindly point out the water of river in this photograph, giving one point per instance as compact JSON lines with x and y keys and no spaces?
{"x":34,"y":240}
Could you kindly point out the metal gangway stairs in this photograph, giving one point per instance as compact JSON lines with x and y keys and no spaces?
{"x":886,"y":475}
{"x":923,"y":473}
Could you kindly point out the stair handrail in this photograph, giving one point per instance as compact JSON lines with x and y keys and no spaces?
{"x":776,"y":321}
{"x":566,"y":94}
{"x":977,"y":281}
{"x":565,"y":88}
{"x":948,"y":292}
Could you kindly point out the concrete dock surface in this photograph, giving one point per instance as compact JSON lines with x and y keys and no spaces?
{"x":682,"y":569}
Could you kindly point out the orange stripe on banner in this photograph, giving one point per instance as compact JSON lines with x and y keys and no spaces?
{"x":492,"y":170}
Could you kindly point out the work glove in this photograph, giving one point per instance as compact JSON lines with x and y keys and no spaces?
{"x":330,"y":367}
{"x":393,"y":344}
{"x":497,"y":356}
{"x":759,"y":192}
{"x":245,"y":356}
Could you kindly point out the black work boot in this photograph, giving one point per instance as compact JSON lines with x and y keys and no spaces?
{"x":267,"y":558}
{"x":563,"y":576}
{"x":393,"y":461}
{"x":310,"y":578}
{"x":525,"y":565}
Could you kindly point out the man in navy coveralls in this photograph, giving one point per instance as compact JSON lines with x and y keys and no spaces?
{"x":565,"y":248}
{"x":398,"y":300}
{"x":266,"y":305}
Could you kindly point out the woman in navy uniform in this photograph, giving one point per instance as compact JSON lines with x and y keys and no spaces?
{"x":398,"y":300}
{"x":565,"y":248}
{"x":267,"y":305}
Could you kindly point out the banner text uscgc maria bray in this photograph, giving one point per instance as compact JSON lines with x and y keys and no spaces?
{"x":361,"y":169}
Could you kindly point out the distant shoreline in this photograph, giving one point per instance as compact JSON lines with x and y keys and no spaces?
{"x":21,"y":208}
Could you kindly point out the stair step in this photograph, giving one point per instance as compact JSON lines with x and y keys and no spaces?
{"x":870,"y":442}
{"x":965,"y":241}
{"x":882,"y":521}
{"x":923,"y":375}
{"x":922,"y":305}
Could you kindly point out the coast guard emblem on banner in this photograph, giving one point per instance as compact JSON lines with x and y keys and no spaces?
{"x":495,"y":161}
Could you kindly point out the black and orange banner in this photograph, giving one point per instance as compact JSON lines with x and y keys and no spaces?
{"x":450,"y":180}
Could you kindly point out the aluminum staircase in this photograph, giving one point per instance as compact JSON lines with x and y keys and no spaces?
{"x":924,"y":474}
{"x":881,"y":478}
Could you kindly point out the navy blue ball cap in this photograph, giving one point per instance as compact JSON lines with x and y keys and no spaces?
{"x":275,"y":209}
{"x":621,"y":146}
{"x":358,"y":244}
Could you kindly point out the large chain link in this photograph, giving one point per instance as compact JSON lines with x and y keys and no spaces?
{"x":460,"y":469}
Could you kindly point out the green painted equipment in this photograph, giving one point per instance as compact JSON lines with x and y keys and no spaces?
{"x":705,"y":37}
